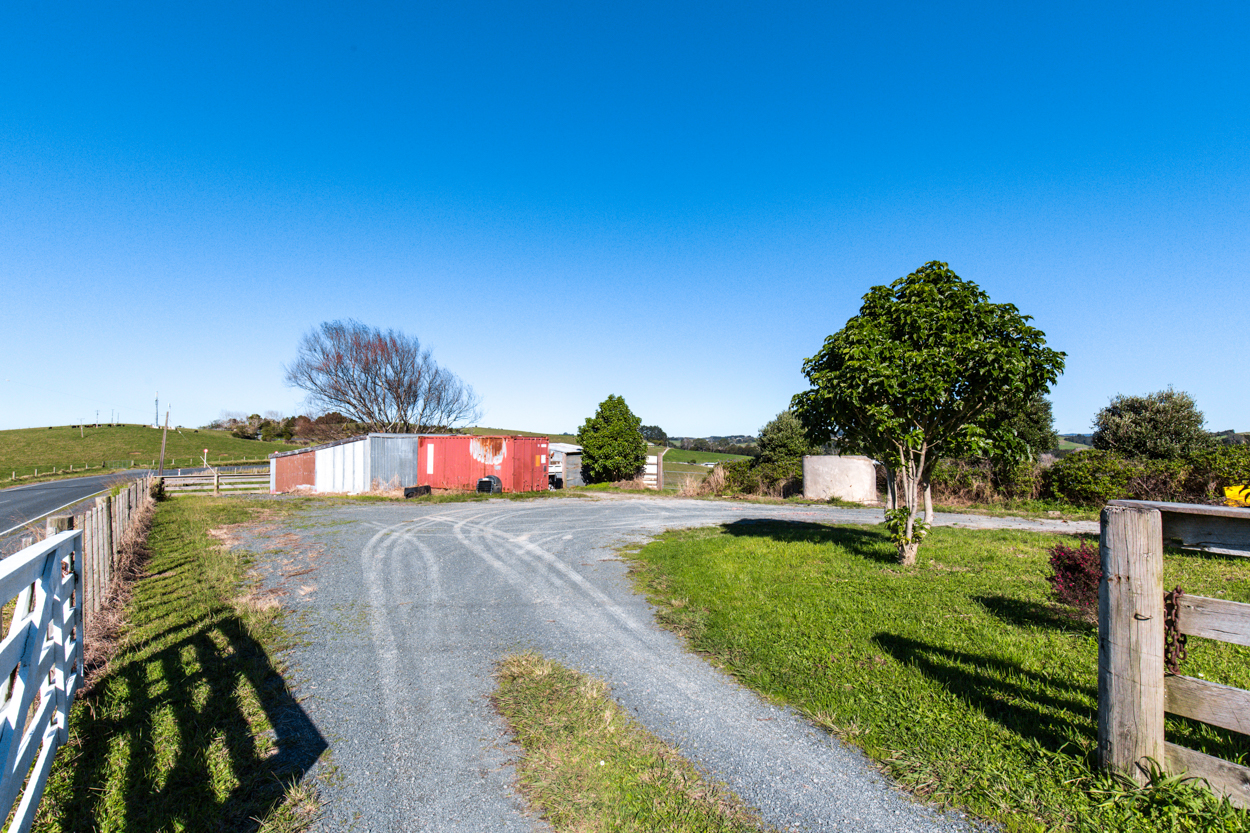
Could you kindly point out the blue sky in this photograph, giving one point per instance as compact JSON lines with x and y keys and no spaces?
{"x":672,"y":203}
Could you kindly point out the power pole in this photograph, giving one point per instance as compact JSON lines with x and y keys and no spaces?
{"x":156,"y":420}
{"x":161,"y":472}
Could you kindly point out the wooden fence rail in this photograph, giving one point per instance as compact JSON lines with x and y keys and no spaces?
{"x":1133,"y":691}
{"x":217,"y":482}
{"x":52,"y":587}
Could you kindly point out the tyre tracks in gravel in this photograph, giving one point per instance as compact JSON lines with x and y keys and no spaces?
{"x":414,"y":605}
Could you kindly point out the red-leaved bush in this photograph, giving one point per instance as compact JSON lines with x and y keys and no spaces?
{"x":1077,"y":573}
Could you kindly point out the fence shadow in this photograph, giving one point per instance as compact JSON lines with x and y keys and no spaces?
{"x":1033,"y":614}
{"x":122,"y":771}
{"x":1045,"y":707}
{"x":869,"y":544}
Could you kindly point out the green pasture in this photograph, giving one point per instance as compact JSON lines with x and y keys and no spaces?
{"x":959,"y":676}
{"x":24,"y":450}
{"x":676,"y":455}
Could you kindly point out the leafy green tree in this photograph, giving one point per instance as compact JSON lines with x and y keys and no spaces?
{"x":612,"y":444}
{"x":784,"y":440}
{"x":1032,"y":422}
{"x":654,"y":434}
{"x":912,"y":378}
{"x":1166,"y":425}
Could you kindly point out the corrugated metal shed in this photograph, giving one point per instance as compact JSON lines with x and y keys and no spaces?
{"x":343,"y":467}
{"x":566,"y":464}
{"x":391,"y":461}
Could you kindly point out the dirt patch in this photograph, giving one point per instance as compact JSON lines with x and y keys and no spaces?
{"x":290,"y":571}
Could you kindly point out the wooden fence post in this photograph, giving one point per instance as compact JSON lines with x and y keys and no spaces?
{"x":105,"y":504}
{"x":1130,"y":641}
{"x":62,"y":523}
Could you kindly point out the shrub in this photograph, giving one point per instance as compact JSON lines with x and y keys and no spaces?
{"x":780,"y":479}
{"x":963,"y":481}
{"x":1090,"y":478}
{"x":740,"y":477}
{"x":1158,"y":426}
{"x":749,"y":477}
{"x":982,"y":481}
{"x":1213,"y":470}
{"x":1023,"y":480}
{"x":784,"y":440}
{"x":1161,"y":480}
{"x":1077,"y":572}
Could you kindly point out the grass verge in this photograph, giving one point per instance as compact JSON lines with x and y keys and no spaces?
{"x":589,"y":767}
{"x":190,"y":726}
{"x":958,"y":675}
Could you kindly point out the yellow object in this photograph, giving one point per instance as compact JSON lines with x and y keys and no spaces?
{"x":1237,"y":495}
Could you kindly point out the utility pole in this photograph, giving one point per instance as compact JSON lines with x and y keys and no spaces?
{"x":161,"y":472}
{"x":156,"y":420}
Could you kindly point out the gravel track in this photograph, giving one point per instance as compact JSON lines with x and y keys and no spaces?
{"x":407,"y":608}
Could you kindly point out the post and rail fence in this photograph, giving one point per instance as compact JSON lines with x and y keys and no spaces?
{"x":49,"y":591}
{"x":218,"y":482}
{"x":1135,"y":690}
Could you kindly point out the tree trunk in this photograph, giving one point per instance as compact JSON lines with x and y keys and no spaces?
{"x":928,"y":503}
{"x":907,"y":553}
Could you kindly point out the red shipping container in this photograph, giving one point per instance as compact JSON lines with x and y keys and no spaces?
{"x":459,"y":462}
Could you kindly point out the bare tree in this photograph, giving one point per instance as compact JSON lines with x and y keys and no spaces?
{"x":384,"y":380}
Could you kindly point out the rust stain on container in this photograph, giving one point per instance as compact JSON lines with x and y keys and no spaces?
{"x":488,"y":450}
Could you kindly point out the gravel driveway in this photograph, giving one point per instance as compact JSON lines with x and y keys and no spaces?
{"x":406,"y":609}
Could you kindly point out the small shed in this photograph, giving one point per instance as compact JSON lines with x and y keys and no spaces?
{"x":565,"y":468}
{"x":392,"y":461}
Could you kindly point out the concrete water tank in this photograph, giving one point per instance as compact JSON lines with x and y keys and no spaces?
{"x":846,"y":478}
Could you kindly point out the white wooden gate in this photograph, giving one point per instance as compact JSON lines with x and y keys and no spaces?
{"x":41,"y":663}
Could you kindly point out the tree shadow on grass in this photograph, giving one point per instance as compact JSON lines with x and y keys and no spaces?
{"x":869,"y":544}
{"x":193,"y":760}
{"x":1032,"y":614}
{"x":1051,"y":710}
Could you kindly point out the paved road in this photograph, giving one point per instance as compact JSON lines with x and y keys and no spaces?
{"x":407,"y":608}
{"x":20,"y":504}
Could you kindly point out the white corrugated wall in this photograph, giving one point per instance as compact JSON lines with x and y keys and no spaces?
{"x":343,"y":467}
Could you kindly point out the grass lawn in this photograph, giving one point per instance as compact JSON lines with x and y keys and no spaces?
{"x":958,"y":675}
{"x":588,"y":766}
{"x":192,"y":727}
{"x":119,"y":446}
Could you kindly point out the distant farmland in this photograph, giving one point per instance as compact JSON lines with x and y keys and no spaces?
{"x":119,"y":446}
